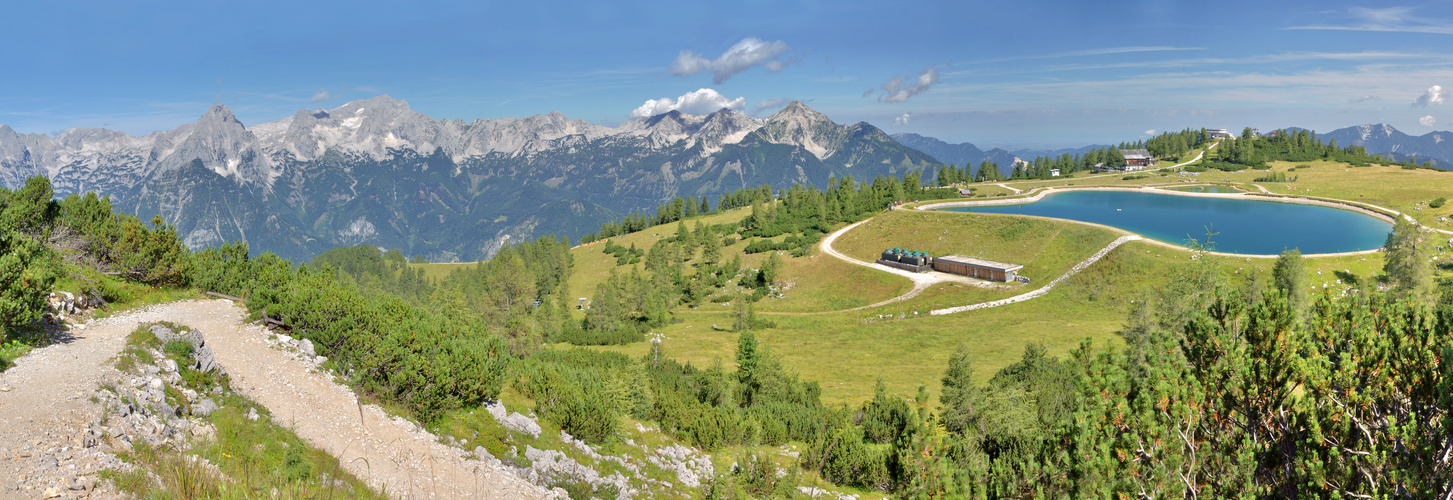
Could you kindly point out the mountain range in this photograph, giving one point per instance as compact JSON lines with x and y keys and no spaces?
{"x":375,"y":171}
{"x":1385,"y":140}
{"x":969,"y":155}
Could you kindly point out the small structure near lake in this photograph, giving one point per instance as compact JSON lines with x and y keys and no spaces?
{"x":976,"y":268}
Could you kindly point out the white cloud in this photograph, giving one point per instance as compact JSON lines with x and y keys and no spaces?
{"x":902,"y":119}
{"x":746,"y":54}
{"x":1427,"y":121}
{"x":896,"y":91}
{"x":1150,"y":132}
{"x":699,"y":102}
{"x":768,"y":104}
{"x":1391,"y":19}
{"x":1434,"y":95}
{"x":321,"y":96}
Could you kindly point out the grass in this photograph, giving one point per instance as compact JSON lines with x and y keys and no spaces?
{"x":1407,"y":191}
{"x":815,"y":284}
{"x":849,"y":352}
{"x":592,"y":265}
{"x":1046,"y":248}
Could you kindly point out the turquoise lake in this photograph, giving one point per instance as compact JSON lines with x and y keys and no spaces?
{"x":1242,"y":225}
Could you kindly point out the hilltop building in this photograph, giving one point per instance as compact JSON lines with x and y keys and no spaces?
{"x":1218,"y":133}
{"x":1137,"y":158}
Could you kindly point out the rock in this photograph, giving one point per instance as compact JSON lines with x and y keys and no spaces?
{"x":168,"y":366}
{"x":320,"y":359}
{"x":52,"y":492}
{"x":306,"y":347}
{"x":155,"y":384}
{"x":204,"y":408}
{"x":164,"y":410}
{"x":513,"y":420}
{"x":482,"y":454}
{"x":251,"y":414}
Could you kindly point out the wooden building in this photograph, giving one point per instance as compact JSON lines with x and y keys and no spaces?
{"x":975,"y":268}
{"x":1137,"y":158}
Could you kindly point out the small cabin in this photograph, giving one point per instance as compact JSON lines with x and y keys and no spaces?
{"x":976,"y":268}
{"x":1054,"y":172}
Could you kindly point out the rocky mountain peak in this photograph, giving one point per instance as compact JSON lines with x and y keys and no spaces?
{"x":800,"y":125}
{"x":219,"y":113}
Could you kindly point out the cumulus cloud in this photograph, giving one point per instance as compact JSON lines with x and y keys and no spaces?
{"x":1434,"y":95}
{"x":746,"y":54}
{"x":898,"y":90}
{"x":699,"y":102}
{"x":1366,"y":98}
{"x":321,"y":96}
{"x":1150,"y":132}
{"x":768,"y":104}
{"x":902,"y":120}
{"x":1427,"y":121}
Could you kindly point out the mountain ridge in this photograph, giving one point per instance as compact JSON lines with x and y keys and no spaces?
{"x":1384,"y":139}
{"x":375,"y":171}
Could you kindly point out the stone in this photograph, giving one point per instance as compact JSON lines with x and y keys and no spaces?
{"x":251,"y":414}
{"x":164,"y":410}
{"x":306,"y":347}
{"x":168,"y":366}
{"x":52,"y":492}
{"x":155,"y":384}
{"x":204,"y":408}
{"x":482,"y":454}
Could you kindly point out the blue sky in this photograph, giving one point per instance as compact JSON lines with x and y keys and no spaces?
{"x":1022,"y":73}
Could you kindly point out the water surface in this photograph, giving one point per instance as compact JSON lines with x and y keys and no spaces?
{"x":1242,"y":225}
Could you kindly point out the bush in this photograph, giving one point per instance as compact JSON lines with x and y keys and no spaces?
{"x":1438,"y":203}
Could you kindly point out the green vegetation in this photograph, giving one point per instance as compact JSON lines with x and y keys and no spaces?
{"x":1296,"y":146}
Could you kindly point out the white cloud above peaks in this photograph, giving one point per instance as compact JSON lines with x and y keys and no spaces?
{"x":902,"y":120}
{"x":698,"y":102}
{"x":746,"y":54}
{"x":1434,"y":95}
{"x":897,"y":91}
{"x":1427,"y":121}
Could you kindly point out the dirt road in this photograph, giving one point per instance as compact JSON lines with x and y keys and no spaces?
{"x":46,"y":406}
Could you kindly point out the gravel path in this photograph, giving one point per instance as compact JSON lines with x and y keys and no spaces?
{"x":391,"y":454}
{"x":1046,"y":288}
{"x":45,"y":409}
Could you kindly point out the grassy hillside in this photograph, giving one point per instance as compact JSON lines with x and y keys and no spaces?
{"x":849,"y":351}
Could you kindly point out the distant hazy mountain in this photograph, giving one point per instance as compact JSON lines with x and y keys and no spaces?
{"x":1383,"y":139}
{"x":968,"y":154}
{"x":375,"y":171}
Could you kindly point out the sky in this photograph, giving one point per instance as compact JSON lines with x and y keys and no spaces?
{"x":998,"y":74}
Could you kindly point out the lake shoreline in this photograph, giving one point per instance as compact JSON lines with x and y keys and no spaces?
{"x":1363,"y":209}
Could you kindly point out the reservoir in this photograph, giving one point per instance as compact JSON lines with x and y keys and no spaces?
{"x":1242,"y":225}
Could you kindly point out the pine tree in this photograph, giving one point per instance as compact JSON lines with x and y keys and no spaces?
{"x":1406,"y":263}
{"x":1290,"y":276}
